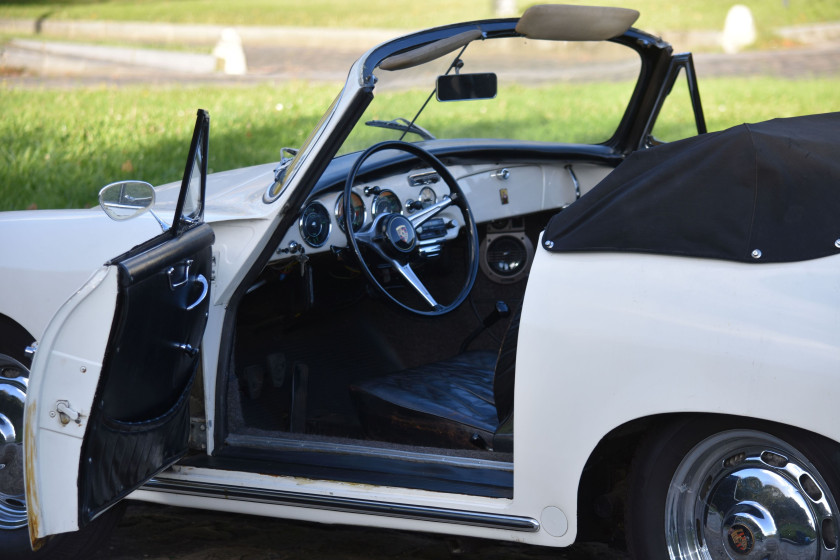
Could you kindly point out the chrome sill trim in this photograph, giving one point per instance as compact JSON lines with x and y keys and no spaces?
{"x":284,"y":444}
{"x":347,"y":505}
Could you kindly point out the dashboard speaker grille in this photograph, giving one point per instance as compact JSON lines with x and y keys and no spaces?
{"x":506,"y":257}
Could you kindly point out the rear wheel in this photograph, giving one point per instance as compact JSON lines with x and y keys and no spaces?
{"x":14,"y":533}
{"x":729,"y":489}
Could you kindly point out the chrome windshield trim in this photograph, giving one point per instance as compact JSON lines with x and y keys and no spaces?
{"x":346,"y":505}
{"x":281,"y":444}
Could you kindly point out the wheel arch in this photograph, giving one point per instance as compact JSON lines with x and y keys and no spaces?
{"x":602,"y":488}
{"x":14,"y":338}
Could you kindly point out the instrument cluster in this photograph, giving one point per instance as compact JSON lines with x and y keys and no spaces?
{"x":324,"y":215}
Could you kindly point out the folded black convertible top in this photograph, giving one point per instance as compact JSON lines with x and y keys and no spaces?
{"x":765,"y":192}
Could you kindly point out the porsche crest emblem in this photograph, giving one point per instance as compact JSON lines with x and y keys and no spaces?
{"x":741,"y":539}
{"x":402,"y":232}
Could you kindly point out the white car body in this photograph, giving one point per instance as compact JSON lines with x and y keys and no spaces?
{"x":606,"y":342}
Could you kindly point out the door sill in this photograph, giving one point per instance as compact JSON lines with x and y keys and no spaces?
{"x":346,"y":505}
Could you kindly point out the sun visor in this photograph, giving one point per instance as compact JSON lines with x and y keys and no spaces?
{"x":561,"y":22}
{"x":426,"y":53}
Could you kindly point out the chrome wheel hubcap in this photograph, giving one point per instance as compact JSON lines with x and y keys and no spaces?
{"x":747,"y":495}
{"x":14,"y":380}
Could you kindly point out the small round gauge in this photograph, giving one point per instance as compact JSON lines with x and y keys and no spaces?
{"x":386,"y":202}
{"x":315,"y":224}
{"x":358,"y":211}
{"x":427,"y":196}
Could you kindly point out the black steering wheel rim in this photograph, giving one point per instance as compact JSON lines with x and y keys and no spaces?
{"x":457,"y":198}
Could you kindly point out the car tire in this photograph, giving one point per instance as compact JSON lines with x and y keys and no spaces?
{"x":14,"y":532}
{"x":722,"y":488}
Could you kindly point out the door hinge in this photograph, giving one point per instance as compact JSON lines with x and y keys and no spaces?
{"x":198,"y":433}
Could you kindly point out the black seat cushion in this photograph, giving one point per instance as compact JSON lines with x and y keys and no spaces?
{"x":442,"y":404}
{"x":456,"y":403}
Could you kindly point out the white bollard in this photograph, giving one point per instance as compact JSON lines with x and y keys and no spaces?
{"x":229,"y":54}
{"x":505,"y":8}
{"x":738,"y":30}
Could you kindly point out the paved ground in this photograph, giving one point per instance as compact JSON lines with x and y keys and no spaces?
{"x":322,"y":56}
{"x":153,"y":532}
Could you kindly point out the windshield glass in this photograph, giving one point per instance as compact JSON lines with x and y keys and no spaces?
{"x":285,"y":174}
{"x":548,"y":91}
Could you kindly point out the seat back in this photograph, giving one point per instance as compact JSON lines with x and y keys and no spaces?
{"x":505,"y":371}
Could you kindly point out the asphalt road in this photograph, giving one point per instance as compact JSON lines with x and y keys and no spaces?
{"x":153,"y":532}
{"x":35,"y":63}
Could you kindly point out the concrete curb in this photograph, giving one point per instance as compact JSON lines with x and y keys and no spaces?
{"x":79,"y":57}
{"x":340,"y":38}
{"x":324,"y":54}
{"x":143,"y":32}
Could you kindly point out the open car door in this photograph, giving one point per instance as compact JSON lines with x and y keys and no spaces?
{"x":108,"y":405}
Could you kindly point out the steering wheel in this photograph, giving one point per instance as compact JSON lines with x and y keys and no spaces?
{"x":394,"y":238}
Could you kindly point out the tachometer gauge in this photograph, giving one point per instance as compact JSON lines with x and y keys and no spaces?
{"x":386,"y":202}
{"x":358,"y":211}
{"x":315,"y":224}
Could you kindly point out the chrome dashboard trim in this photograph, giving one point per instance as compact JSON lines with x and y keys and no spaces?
{"x":347,"y":505}
{"x":423,"y":179}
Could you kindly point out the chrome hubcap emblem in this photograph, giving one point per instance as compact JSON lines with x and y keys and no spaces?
{"x":744,"y":494}
{"x":740,"y":539}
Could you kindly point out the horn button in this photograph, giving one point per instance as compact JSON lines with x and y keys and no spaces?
{"x":399,"y":233}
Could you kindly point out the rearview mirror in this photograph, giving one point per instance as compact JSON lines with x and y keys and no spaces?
{"x":459,"y":87}
{"x":126,"y":199}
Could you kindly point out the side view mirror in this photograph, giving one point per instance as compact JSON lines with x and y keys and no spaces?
{"x":124,"y":200}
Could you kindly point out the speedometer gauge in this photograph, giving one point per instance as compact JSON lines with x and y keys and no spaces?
{"x":386,"y":202}
{"x":358,"y":211}
{"x":315,"y":224}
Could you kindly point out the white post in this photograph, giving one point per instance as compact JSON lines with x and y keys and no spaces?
{"x":229,"y":54}
{"x":505,"y":8}
{"x":738,"y":30}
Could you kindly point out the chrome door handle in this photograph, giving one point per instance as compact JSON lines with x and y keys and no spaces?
{"x":205,"y":287}
{"x":175,"y":282}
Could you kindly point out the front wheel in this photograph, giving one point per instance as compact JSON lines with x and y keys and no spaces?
{"x":730,"y":489}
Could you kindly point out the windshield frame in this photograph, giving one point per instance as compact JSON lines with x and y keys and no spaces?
{"x":359,"y":90}
{"x":651,"y":50}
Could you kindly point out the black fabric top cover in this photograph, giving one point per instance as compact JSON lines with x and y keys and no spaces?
{"x":771,"y":187}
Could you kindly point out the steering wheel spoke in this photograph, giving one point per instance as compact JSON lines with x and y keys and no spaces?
{"x":393,"y":237}
{"x":366,"y":236}
{"x":422,"y":216}
{"x":409,"y":275}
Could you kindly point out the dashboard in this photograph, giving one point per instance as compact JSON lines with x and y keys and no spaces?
{"x":495,"y":193}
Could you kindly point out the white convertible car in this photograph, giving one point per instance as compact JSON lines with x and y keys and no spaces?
{"x":335,"y":338}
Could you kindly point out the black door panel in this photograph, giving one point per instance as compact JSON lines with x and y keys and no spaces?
{"x":139,"y":422}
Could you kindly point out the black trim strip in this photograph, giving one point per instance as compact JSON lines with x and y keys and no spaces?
{"x":348,"y":505}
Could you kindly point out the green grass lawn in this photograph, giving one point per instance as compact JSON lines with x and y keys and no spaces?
{"x":413,"y":14}
{"x":58,"y":147}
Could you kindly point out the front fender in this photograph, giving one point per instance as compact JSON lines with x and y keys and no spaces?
{"x":46,"y":255}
